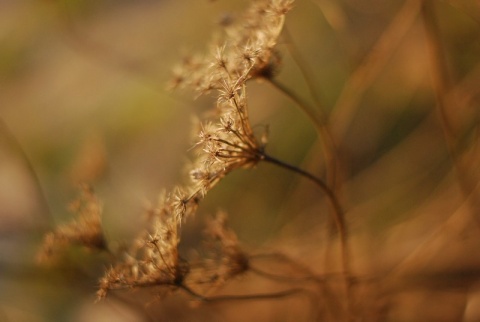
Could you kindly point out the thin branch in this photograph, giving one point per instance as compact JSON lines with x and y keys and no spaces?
{"x":338,"y":215}
{"x":286,"y":259}
{"x":302,"y":104}
{"x":442,"y":86}
{"x":365,"y":74}
{"x":284,"y":278}
{"x":17,"y":147}
{"x":246,"y":297}
{"x":331,"y":196}
{"x":320,"y":124}
{"x":338,"y":211}
{"x":304,"y":70}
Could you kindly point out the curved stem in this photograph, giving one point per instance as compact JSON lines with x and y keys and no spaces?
{"x":40,"y":194}
{"x":304,"y":70}
{"x":284,"y":278}
{"x":442,"y":87}
{"x":370,"y":68}
{"x":338,"y":212}
{"x":325,"y":137}
{"x":248,"y":297}
{"x":302,"y":104}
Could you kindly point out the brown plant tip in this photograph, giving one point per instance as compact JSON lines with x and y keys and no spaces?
{"x":152,"y":260}
{"x":85,"y":230}
{"x":247,"y":49}
{"x":228,"y":256}
{"x":226,"y":141}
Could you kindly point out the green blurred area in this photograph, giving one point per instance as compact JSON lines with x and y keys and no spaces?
{"x":82,"y":97}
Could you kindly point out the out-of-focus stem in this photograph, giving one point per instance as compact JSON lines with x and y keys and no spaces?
{"x":40,"y":195}
{"x":442,"y":87}
{"x":338,"y":213}
{"x":325,"y":137}
{"x":247,"y":297}
{"x":366,"y":73}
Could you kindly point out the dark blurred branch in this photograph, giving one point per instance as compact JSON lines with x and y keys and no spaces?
{"x":326,"y":139}
{"x":366,"y":73}
{"x":320,"y":124}
{"x":246,"y":297}
{"x":42,"y":200}
{"x":442,"y":86}
{"x":339,"y":218}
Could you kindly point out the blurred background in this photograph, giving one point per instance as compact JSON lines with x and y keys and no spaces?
{"x":83,"y":99}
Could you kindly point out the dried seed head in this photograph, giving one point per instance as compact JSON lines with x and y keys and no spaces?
{"x":247,"y":47}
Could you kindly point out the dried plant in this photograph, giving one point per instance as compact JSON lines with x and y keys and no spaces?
{"x":225,"y":141}
{"x":85,"y":230}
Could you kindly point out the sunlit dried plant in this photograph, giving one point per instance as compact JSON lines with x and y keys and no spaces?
{"x":224,"y":141}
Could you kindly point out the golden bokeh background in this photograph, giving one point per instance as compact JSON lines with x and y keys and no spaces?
{"x":83,"y":98}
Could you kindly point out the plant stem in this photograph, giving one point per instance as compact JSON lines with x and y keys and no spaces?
{"x":325,"y":137}
{"x":338,"y":212}
{"x":442,"y":86}
{"x":304,"y":70}
{"x":248,"y":297}
{"x":373,"y":64}
{"x":14,"y":144}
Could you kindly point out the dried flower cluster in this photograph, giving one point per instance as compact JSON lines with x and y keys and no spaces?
{"x":227,"y":141}
{"x":246,"y":51}
{"x":152,"y":259}
{"x":224,"y":143}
